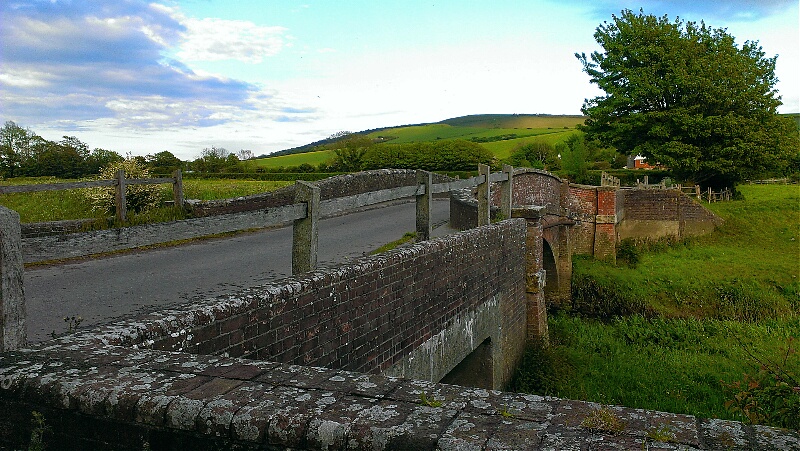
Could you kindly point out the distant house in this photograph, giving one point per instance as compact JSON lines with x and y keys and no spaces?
{"x":638,"y":162}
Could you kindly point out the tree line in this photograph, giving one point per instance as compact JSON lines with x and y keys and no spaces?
{"x":23,"y":153}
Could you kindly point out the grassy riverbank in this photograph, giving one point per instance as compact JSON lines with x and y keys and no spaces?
{"x":673,"y":331}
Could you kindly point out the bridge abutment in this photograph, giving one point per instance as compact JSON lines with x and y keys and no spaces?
{"x":605,"y":232}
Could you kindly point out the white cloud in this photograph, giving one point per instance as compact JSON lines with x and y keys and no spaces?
{"x":213,"y":39}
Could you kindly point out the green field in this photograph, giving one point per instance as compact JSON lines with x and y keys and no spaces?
{"x":73,"y":204}
{"x":312,"y":158}
{"x":708,"y":306}
{"x":516,"y":121}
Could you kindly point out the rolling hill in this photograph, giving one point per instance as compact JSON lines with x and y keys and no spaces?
{"x":499,"y":133}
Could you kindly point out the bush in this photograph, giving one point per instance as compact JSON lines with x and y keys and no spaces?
{"x":542,"y":370}
{"x":604,"y":301}
{"x":771,"y":395}
{"x":138,"y":198}
{"x":445,"y":155}
{"x":628,"y":253}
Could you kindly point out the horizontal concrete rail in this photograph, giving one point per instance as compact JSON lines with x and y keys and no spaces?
{"x":56,"y":247}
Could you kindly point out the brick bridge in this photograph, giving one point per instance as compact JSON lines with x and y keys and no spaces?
{"x":359,"y":356}
{"x":589,"y":220}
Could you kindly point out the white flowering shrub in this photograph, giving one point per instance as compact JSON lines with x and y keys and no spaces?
{"x":138,"y":198}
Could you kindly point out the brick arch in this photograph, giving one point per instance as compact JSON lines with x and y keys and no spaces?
{"x":551,"y":270}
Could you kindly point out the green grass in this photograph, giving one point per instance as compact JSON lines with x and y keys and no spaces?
{"x":225,"y":189}
{"x":406,"y":238}
{"x":312,"y":158}
{"x":434,"y":132}
{"x":516,"y":121}
{"x":706,"y":300}
{"x":72,"y":204}
{"x":673,"y":365}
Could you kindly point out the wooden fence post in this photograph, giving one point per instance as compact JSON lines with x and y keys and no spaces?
{"x":424,"y":205}
{"x":177,"y":188}
{"x":120,"y":204}
{"x":507,"y":192}
{"x":12,"y":295}
{"x":305,"y":235}
{"x":484,"y":196}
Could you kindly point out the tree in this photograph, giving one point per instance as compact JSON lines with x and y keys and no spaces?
{"x":244,"y":154}
{"x":536,"y":154}
{"x":212,"y":160}
{"x":100,"y":158}
{"x":15,"y":146}
{"x":349,"y":152}
{"x":163,"y":162}
{"x":573,"y":155}
{"x":687,"y":96}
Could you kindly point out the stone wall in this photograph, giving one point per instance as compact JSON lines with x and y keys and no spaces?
{"x":100,"y":398}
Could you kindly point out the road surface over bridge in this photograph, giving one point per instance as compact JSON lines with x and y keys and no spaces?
{"x":103,"y":289}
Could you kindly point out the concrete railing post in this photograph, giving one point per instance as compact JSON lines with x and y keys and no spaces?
{"x":507,"y":191}
{"x":424,"y":205}
{"x":305,"y":236}
{"x":120,"y":203}
{"x":177,"y":188}
{"x":535,"y":276}
{"x":484,"y":196}
{"x":12,"y":294}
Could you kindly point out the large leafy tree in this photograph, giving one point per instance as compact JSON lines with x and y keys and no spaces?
{"x":687,"y":96}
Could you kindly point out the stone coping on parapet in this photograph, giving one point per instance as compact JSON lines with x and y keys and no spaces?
{"x":155,"y":398}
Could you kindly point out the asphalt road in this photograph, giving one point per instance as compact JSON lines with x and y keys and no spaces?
{"x":101,"y":290}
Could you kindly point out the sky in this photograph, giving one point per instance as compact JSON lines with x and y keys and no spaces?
{"x":140,"y":77}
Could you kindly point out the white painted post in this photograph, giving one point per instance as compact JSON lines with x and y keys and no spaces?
{"x":12,"y":294}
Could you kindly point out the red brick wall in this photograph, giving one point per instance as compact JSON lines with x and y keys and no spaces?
{"x":364,"y":316}
{"x":663,"y":205}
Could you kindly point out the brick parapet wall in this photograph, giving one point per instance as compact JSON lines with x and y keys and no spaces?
{"x":583,"y":202}
{"x":664,"y":205}
{"x":363,"y":316}
{"x":536,"y":187}
{"x":128,"y":399}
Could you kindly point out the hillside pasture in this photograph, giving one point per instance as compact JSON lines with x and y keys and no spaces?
{"x":435,"y":132}
{"x":312,"y":158}
{"x":503,"y":149}
{"x":516,"y":121}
